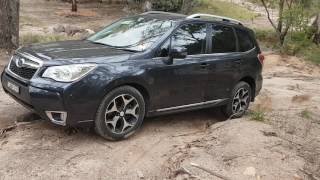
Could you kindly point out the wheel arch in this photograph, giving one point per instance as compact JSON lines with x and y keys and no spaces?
{"x":135,"y":84}
{"x":252,"y":83}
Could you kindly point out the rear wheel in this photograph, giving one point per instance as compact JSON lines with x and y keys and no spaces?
{"x":240,"y":101}
{"x":120,"y":114}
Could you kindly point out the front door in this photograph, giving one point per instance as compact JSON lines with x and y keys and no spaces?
{"x":181,"y":83}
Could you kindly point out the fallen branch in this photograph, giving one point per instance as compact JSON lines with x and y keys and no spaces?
{"x":210,"y":171}
{"x":183,"y":170}
{"x":7,"y":129}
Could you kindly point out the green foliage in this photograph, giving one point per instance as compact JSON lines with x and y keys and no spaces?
{"x":167,"y":5}
{"x":296,"y":43}
{"x":267,"y":38}
{"x":224,"y":8}
{"x":30,"y":38}
{"x":306,"y":114}
{"x":299,"y":44}
{"x":296,"y":17}
{"x":257,"y":115}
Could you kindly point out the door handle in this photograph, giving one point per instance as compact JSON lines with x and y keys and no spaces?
{"x":204,"y":65}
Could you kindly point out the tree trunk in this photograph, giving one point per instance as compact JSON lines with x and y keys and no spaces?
{"x":9,"y":24}
{"x":280,"y":20}
{"x":74,"y":6}
{"x":316,"y":25}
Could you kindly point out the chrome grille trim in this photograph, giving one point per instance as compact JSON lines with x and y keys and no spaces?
{"x":31,"y":62}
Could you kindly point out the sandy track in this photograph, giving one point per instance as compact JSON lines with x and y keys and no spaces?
{"x":284,"y":146}
{"x":40,"y":150}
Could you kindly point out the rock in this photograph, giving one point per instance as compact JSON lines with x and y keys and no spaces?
{"x":140,"y":174}
{"x":89,"y":31}
{"x":250,"y":171}
{"x":297,"y":177}
{"x":58,"y":28}
{"x":71,"y":30}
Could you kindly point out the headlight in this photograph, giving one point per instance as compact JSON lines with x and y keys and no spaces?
{"x":68,"y":73}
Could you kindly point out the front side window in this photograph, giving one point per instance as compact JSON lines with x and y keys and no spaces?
{"x":133,"y":33}
{"x":223,"y":39}
{"x":245,"y":42}
{"x":191,"y":37}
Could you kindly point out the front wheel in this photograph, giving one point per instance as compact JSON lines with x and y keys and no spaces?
{"x":239,"y":102}
{"x":120,"y":114}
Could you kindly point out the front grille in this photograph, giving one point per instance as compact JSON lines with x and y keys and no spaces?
{"x":25,"y":71}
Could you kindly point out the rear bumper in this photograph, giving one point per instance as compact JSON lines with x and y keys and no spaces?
{"x":48,"y":103}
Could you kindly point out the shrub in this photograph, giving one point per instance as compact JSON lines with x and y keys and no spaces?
{"x":257,"y":115}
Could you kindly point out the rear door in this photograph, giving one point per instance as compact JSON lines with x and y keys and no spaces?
{"x":224,"y":63}
{"x":182,"y":82}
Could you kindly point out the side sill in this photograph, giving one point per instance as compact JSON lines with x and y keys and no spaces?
{"x":188,"y":107}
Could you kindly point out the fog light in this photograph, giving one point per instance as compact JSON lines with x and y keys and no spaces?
{"x":57,"y":117}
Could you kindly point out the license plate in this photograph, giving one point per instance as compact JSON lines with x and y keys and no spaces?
{"x":14,"y":87}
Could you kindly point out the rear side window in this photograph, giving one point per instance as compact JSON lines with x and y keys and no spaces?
{"x":192,"y":37}
{"x":245,"y":42}
{"x":223,"y":39}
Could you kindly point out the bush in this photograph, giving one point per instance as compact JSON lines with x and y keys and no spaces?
{"x":267,"y":38}
{"x":296,"y":44}
{"x":183,"y":6}
{"x":168,"y":5}
{"x":258,"y":115}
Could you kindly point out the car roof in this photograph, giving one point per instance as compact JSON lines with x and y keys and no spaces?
{"x":164,"y":15}
{"x":194,"y":18}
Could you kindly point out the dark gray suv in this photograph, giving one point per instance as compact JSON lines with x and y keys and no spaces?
{"x":146,"y":65}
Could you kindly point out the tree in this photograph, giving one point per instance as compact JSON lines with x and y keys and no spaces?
{"x":74,"y":6}
{"x":283,"y":25}
{"x":9,"y":24}
{"x":316,"y":27}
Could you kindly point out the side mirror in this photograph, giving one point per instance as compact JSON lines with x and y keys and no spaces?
{"x":178,"y":52}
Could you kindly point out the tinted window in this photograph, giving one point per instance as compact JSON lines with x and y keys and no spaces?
{"x":192,"y":37}
{"x":223,"y":39}
{"x":245,"y":42}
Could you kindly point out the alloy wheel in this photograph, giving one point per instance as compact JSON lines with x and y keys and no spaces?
{"x":122,"y":114}
{"x":240,"y":101}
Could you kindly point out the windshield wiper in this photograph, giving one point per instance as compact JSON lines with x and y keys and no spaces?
{"x":130,"y":50}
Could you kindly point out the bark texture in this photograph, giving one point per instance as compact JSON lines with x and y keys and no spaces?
{"x":9,"y":24}
{"x":74,"y":6}
{"x":316,"y":25}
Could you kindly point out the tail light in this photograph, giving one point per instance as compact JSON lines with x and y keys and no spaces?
{"x":261,"y":58}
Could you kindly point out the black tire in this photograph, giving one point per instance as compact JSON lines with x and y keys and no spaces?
{"x":113,"y":98}
{"x":228,"y":110}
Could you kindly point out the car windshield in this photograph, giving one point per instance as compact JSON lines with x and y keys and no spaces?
{"x":134,"y":33}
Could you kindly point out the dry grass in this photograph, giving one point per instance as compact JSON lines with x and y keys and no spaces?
{"x":30,"y":38}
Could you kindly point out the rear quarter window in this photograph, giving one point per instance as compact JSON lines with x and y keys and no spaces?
{"x":245,"y":42}
{"x":223,"y":39}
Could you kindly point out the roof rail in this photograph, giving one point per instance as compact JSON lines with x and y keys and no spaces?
{"x":221,"y":18}
{"x":162,"y":12}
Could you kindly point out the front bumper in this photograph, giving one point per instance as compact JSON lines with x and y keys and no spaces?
{"x":57,"y":106}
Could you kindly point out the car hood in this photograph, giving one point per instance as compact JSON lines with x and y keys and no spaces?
{"x":80,"y":50}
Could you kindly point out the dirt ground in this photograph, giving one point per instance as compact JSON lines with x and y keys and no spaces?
{"x":284,"y":145}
